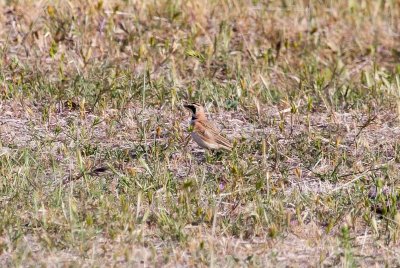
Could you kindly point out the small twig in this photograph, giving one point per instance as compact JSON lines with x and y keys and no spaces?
{"x":360,"y":172}
{"x":355,"y":179}
{"x":366,"y":124}
{"x":93,"y":172}
{"x":347,"y":183}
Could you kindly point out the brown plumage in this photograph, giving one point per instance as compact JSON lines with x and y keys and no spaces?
{"x":204,"y":133}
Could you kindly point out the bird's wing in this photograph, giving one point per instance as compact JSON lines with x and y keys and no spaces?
{"x":211,"y":134}
{"x":214,"y":127}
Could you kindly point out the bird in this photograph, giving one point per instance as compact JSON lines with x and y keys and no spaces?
{"x":203,"y":131}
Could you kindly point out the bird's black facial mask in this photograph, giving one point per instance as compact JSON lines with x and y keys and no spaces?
{"x":191,"y":107}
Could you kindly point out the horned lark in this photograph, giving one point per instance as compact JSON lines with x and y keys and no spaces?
{"x":203,"y":132}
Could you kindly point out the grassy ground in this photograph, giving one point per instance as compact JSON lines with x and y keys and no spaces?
{"x":95,"y":164}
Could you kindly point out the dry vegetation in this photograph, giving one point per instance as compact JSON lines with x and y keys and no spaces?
{"x":96,"y":168}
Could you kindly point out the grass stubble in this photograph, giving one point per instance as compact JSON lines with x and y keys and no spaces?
{"x":95,"y":164}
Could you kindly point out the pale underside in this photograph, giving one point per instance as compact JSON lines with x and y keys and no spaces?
{"x":203,"y":143}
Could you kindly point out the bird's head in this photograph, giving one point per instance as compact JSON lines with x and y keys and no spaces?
{"x":196,"y":109}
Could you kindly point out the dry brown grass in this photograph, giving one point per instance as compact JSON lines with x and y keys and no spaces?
{"x":95,"y":168}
